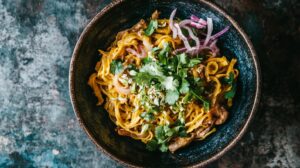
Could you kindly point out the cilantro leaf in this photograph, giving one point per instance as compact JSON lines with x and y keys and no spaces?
{"x":206,"y":104}
{"x":180,"y":129}
{"x":193,"y":62}
{"x":147,"y":116}
{"x":146,"y":60}
{"x":152,"y":68}
{"x":170,"y":83}
{"x":116,"y":66}
{"x":168,"y":131}
{"x":164,"y":53}
{"x":149,"y":72}
{"x":152,"y":145}
{"x":184,"y":86}
{"x":187,"y":97}
{"x":230,"y":94}
{"x":145,"y":128}
{"x":172,"y":96}
{"x":183,"y":72}
{"x":159,"y":132}
{"x":143,"y":78}
{"x":164,"y":147}
{"x":197,"y":85}
{"x":182,"y":58}
{"x":172,"y":64}
{"x":163,"y":134}
{"x":155,"y":49}
{"x":182,"y":132}
{"x":151,"y":27}
{"x":230,"y":79}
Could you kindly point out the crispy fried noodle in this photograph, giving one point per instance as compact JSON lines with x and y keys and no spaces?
{"x":164,"y":82}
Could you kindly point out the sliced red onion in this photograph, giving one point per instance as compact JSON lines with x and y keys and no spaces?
{"x":182,"y":37}
{"x":191,"y":34}
{"x":179,"y":50}
{"x":142,"y":51}
{"x":118,"y":87}
{"x":209,"y":30}
{"x":191,"y":23}
{"x":185,"y":22}
{"x":194,"y":18}
{"x":213,"y":47}
{"x":198,"y":20}
{"x":193,"y":51}
{"x":132,"y":51}
{"x":197,"y":25}
{"x":213,"y":43}
{"x":171,"y":25}
{"x":220,"y":33}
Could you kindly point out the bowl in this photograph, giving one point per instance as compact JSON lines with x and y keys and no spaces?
{"x":122,"y":14}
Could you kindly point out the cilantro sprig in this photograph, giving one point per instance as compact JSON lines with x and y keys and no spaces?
{"x":230,"y":81}
{"x":153,"y":25}
{"x":163,"y":134}
{"x":116,"y":66}
{"x":230,"y":94}
{"x":206,"y":104}
{"x":172,"y":96}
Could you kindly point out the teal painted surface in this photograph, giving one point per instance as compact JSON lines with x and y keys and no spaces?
{"x":38,"y":127}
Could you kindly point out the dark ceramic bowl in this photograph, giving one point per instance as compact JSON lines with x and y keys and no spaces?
{"x":122,"y":14}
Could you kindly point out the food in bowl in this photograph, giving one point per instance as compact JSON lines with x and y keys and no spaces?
{"x":164,"y":81}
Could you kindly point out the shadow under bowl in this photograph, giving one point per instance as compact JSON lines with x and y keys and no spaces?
{"x":122,"y":14}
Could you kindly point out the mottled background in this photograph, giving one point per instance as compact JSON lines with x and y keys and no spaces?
{"x":38,"y":127}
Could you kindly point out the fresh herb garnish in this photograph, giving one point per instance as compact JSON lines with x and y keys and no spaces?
{"x":206,"y":104}
{"x":164,"y":53}
{"x":145,"y":127}
{"x":172,"y":96}
{"x":169,"y":83}
{"x":230,"y":94}
{"x":144,"y":78}
{"x":230,"y":79}
{"x":116,"y":66}
{"x":193,"y":62}
{"x":152,"y":68}
{"x":155,"y":49}
{"x":184,"y":88}
{"x":183,"y":72}
{"x":153,"y":25}
{"x":148,"y":73}
{"x":163,"y":134}
{"x":148,"y":116}
{"x":152,"y":145}
{"x":182,"y":58}
{"x":147,"y":60}
{"x":164,"y":147}
{"x":187,"y":97}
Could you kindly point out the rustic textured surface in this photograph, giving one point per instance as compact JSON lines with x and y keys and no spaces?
{"x":37,"y":124}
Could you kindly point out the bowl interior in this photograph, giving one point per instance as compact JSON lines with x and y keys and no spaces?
{"x":101,"y":32}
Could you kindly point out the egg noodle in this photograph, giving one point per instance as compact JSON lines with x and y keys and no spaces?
{"x":146,"y":112}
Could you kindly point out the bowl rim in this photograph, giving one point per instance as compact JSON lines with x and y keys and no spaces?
{"x":214,"y":157}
